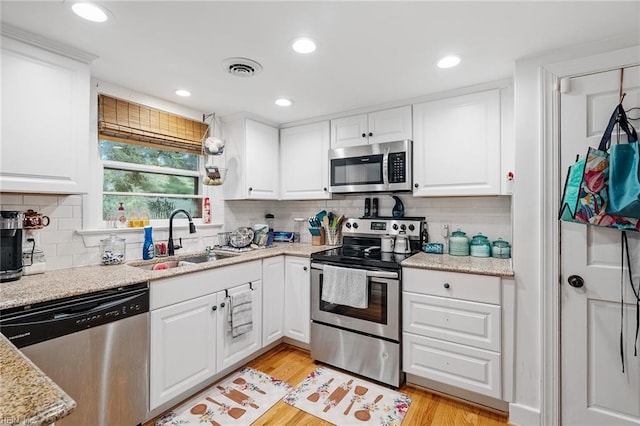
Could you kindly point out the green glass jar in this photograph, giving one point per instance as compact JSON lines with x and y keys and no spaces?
{"x":458,"y":244}
{"x":500,"y":249}
{"x":480,"y":246}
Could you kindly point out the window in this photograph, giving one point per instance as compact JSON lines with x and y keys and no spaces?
{"x":150,"y":180}
{"x":151,"y":160}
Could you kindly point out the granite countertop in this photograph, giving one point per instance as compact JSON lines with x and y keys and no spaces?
{"x":464,"y":264}
{"x":27,"y":395}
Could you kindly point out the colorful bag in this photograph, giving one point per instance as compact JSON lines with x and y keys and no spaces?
{"x":624,"y":173}
{"x":586,"y":202}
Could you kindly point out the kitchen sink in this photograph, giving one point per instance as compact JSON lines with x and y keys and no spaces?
{"x":170,"y":264}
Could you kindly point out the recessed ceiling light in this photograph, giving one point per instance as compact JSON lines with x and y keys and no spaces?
{"x":303,"y":45}
{"x":448,"y":61}
{"x":182,"y":92}
{"x":284,"y":102}
{"x":90,"y":12}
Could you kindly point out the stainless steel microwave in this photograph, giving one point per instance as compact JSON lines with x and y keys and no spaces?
{"x":371,"y":168}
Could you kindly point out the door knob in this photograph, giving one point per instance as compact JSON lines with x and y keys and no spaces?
{"x":575,"y":281}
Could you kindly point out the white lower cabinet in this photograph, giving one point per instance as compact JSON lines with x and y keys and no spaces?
{"x":183,"y":347}
{"x":190,"y":341}
{"x":233,"y":349}
{"x":297,"y":298}
{"x":452,"y":329}
{"x":272,"y":299}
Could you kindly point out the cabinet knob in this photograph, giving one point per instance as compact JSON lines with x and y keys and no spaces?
{"x":364,"y":135}
{"x":446,"y":285}
{"x":416,"y":185}
{"x":304,"y":268}
{"x":250,"y":189}
{"x":222,"y":305}
{"x":214,"y":308}
{"x":325,"y":189}
{"x":370,"y":134}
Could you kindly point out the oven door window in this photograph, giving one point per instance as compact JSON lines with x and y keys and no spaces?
{"x":377,"y":306}
{"x":364,"y":170}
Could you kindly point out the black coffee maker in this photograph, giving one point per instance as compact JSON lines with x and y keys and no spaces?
{"x":10,"y":245}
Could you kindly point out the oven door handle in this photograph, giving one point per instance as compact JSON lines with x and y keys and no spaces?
{"x":373,"y":274}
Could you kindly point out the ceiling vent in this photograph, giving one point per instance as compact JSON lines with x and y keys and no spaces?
{"x":241,"y":67}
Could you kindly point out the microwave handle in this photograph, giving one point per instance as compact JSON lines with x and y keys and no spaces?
{"x":371,"y":274}
{"x":385,"y":168}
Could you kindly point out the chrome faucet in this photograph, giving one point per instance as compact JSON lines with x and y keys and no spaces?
{"x":192,"y":229}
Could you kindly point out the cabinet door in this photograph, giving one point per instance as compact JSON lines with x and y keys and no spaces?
{"x":456,"y":148}
{"x":390,"y":125}
{"x":297,"y":298}
{"x":261,"y":161}
{"x":45,"y":121}
{"x":233,"y":349}
{"x":349,"y":131}
{"x":183,"y":347}
{"x":272,"y":299}
{"x":304,"y":162}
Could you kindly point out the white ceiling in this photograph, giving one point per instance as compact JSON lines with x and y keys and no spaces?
{"x":369,"y":53}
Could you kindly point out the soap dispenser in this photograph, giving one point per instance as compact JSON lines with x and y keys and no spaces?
{"x":398,"y":208}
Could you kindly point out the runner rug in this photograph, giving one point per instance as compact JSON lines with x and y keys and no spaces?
{"x":237,"y":400}
{"x":346,"y":400}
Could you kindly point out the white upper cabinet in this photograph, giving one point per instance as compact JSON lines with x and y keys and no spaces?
{"x":457,"y":146}
{"x":45,"y":121}
{"x":252,"y":161}
{"x":381,"y":126}
{"x":304,"y":162}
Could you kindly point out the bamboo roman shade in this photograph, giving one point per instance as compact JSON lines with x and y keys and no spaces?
{"x":138,"y":124}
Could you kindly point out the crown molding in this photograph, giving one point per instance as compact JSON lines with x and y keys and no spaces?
{"x":46,"y":43}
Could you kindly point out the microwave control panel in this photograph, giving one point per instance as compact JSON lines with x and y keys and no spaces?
{"x":397,"y":167}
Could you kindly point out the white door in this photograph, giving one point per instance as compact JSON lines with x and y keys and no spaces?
{"x":390,"y":125}
{"x":272,"y":299}
{"x":595,"y":391}
{"x":233,"y":349}
{"x":297,"y":298}
{"x":262,"y":156}
{"x":183,"y":347}
{"x":305,"y":162}
{"x":349,"y":131}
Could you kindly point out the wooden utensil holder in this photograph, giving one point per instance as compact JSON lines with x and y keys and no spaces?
{"x":318,"y":240}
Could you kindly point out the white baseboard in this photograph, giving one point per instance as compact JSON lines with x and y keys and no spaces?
{"x":522,"y":415}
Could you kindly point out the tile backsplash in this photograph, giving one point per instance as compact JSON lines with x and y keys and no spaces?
{"x":64,"y":247}
{"x":489,"y":215}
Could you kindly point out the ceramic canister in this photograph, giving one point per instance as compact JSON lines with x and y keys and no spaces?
{"x":458,"y":244}
{"x":387,"y":243}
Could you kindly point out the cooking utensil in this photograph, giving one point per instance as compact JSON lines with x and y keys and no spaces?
{"x":237,"y":396}
{"x":365,"y":415}
{"x":358,"y":392}
{"x":316,"y":395}
{"x":234,"y":412}
{"x":337,"y":395}
{"x":243,"y":382}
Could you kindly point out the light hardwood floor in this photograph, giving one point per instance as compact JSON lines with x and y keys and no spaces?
{"x":292,"y":365}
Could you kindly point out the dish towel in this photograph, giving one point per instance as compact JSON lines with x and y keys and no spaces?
{"x":345,"y":286}
{"x":240,"y":316}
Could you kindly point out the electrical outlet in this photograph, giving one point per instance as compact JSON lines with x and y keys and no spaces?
{"x":444,"y":231}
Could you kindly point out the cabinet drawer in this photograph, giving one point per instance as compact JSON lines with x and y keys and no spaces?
{"x":477,"y":288}
{"x":468,"y":368}
{"x":468,"y":323}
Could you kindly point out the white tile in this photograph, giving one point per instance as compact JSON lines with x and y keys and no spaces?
{"x":8,"y":199}
{"x":69,"y":224}
{"x":59,"y":262}
{"x":40,"y":200}
{"x":55,"y":237}
{"x":55,"y":211}
{"x":70,"y":200}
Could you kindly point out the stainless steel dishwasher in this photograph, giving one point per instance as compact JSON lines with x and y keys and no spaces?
{"x":95,"y":346}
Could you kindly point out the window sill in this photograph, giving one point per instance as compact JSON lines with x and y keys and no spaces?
{"x":92,"y":237}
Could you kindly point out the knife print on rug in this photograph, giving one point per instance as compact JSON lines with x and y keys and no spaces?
{"x":239,"y":399}
{"x":348,"y":400}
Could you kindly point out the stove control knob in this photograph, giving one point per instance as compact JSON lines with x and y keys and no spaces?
{"x":395,"y":227}
{"x":348,"y":225}
{"x":411,"y":227}
{"x":403,"y":227}
{"x":355,"y":225}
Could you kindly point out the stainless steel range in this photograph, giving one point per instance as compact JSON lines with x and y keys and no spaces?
{"x":362,"y":336}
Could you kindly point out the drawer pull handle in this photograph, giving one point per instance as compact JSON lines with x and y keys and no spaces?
{"x":214,"y":308}
{"x":446,"y":285}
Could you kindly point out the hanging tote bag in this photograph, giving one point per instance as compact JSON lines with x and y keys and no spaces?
{"x":587,"y":201}
{"x":624,"y":173}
